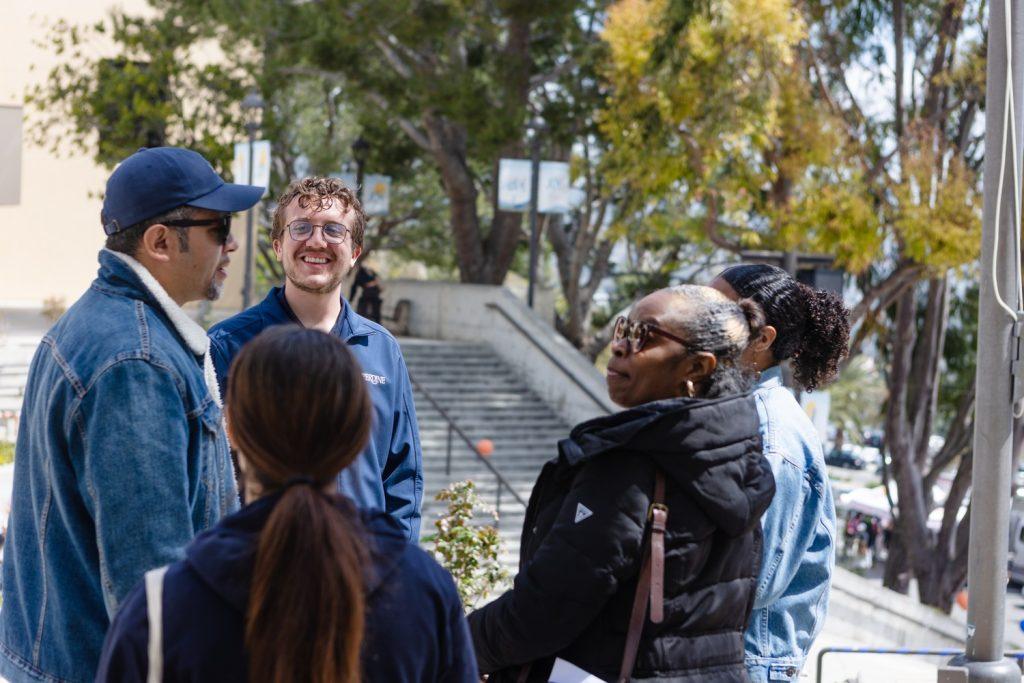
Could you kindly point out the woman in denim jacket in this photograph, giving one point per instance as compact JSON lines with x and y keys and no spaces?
{"x":810,"y":327}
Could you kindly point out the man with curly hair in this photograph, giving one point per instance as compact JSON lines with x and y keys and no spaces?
{"x":317,"y":237}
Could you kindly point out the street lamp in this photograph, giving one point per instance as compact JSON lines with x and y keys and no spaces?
{"x":360,"y":151}
{"x":252,"y":109}
{"x":535,"y":126}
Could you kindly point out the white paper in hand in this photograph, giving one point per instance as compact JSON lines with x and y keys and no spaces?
{"x":566,"y":672}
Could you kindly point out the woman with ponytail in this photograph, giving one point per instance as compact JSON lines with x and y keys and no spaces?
{"x":809,"y":328}
{"x":657,"y":504}
{"x":298,"y":585}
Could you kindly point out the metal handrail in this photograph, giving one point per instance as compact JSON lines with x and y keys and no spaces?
{"x":454,"y":429}
{"x":938,"y":652}
{"x":550,"y":356}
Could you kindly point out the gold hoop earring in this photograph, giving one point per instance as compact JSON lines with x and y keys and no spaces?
{"x":690,"y":390}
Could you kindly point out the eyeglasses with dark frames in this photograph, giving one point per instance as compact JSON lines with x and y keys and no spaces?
{"x":223,"y":225}
{"x":636,"y":333}
{"x":334,"y":233}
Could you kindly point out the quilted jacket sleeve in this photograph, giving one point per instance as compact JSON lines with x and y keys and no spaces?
{"x":593,"y":546}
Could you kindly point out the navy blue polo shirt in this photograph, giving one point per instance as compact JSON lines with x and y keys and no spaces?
{"x":388,"y":474}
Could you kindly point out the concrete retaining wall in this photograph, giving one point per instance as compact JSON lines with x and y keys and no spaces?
{"x":563,"y":377}
{"x":870,"y":613}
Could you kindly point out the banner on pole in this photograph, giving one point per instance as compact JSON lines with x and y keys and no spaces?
{"x":261,"y":167}
{"x":376,"y":194}
{"x":10,"y":152}
{"x":514,"y":184}
{"x":376,"y":191}
{"x":553,"y":189}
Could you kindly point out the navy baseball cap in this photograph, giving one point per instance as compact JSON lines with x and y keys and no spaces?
{"x":155,"y":180}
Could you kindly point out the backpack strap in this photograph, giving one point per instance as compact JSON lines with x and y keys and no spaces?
{"x":154,"y":611}
{"x":651,"y":581}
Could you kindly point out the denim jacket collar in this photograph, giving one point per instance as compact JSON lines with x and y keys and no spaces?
{"x":348,"y":325}
{"x":190,"y":331}
{"x":770,"y":378}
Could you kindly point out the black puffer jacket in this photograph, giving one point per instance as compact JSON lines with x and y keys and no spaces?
{"x":584,"y":532}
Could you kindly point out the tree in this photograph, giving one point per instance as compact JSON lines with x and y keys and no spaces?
{"x":163,"y":87}
{"x":441,"y":90}
{"x":749,"y":113}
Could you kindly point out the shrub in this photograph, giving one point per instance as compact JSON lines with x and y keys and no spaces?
{"x":468,"y":551}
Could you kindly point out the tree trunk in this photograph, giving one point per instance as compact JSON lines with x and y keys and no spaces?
{"x":897,"y":567}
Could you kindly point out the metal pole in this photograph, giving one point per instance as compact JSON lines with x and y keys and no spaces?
{"x":448,"y":453}
{"x":359,"y":179}
{"x":497,"y":505}
{"x":993,"y":427}
{"x":247,"y":282}
{"x":534,"y":236}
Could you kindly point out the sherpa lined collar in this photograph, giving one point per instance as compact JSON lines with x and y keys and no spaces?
{"x":193,"y":333}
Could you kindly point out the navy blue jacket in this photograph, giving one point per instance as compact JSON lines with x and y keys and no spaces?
{"x":388,"y":474}
{"x":415,"y":627}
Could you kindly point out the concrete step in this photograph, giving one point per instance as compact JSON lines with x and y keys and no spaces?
{"x":486,"y":399}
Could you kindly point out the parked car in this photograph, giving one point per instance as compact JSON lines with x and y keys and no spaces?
{"x":847,"y":456}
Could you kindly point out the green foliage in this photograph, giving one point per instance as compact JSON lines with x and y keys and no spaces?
{"x":6,"y":452}
{"x":858,"y":398}
{"x":156,"y":91}
{"x":468,"y":551}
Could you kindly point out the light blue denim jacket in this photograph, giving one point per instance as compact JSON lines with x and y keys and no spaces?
{"x":799,"y":532}
{"x":121,"y":460}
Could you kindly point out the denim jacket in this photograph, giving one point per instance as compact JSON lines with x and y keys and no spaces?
{"x":121,"y":460}
{"x":799,"y":532}
{"x":388,"y":474}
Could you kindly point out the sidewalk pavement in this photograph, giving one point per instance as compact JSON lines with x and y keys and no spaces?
{"x":864,"y":668}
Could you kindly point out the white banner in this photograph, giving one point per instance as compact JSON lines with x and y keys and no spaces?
{"x":376,"y":194}
{"x":10,"y":152}
{"x":514,"y":184}
{"x":260,"y":170}
{"x":553,"y":190}
{"x":376,"y":191}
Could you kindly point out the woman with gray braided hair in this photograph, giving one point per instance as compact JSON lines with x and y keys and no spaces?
{"x":640,"y":547}
{"x":810,"y":328}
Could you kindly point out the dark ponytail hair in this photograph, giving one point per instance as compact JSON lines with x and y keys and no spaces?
{"x":299,"y":413}
{"x":812,"y":326}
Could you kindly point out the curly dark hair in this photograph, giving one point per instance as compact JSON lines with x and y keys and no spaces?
{"x":812,"y":325}
{"x":319,"y":192}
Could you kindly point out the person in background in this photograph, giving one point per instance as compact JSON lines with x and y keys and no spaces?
{"x":689,"y":424}
{"x":370,"y":301}
{"x":299,"y":585}
{"x":811,"y":329}
{"x":121,"y":456}
{"x":317,"y":236}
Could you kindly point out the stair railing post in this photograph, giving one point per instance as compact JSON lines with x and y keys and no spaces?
{"x":497,"y":505}
{"x":448,"y":453}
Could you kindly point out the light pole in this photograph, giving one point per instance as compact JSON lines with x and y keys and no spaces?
{"x":360,"y":151}
{"x":984,"y":658}
{"x":252,"y":109}
{"x":535,"y":126}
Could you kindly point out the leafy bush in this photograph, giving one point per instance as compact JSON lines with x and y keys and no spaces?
{"x":468,"y":551}
{"x":6,"y":452}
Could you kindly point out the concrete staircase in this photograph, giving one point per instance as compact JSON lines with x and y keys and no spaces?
{"x":487,"y":400}
{"x":15,"y":357}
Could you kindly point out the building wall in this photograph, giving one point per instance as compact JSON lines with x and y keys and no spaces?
{"x":49,"y":241}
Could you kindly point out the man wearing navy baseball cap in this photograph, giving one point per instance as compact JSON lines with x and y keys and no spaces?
{"x":121,"y":456}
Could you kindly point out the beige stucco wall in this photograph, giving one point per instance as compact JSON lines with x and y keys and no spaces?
{"x":48,"y":242}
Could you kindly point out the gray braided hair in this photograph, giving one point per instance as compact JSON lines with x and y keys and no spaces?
{"x":720,"y":326}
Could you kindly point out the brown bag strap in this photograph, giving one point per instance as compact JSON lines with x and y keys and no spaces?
{"x":651,"y":581}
